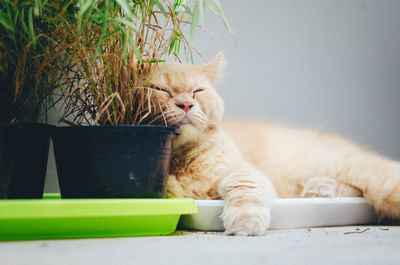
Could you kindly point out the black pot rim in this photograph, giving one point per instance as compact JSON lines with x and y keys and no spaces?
{"x":37,"y":124}
{"x":145,"y":128}
{"x":47,"y":128}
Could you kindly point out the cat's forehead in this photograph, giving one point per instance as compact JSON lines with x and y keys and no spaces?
{"x":179,"y":77}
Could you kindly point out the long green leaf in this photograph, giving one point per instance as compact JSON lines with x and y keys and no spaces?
{"x":104,"y":27}
{"x":110,"y":34}
{"x":84,"y":5}
{"x":172,"y":44}
{"x":126,"y":23}
{"x":124,"y":48}
{"x":160,"y":6}
{"x":201,"y":12}
{"x":135,"y":50}
{"x":22,"y":21}
{"x":37,"y":8}
{"x":125,"y":6}
{"x":213,"y":8}
{"x":5,"y":21}
{"x":177,"y":47}
{"x":223,"y":17}
{"x":194,"y":21}
{"x":9,"y":55}
{"x":188,"y":11}
{"x":176,"y":5}
{"x":8,"y":2}
{"x":30,"y":24}
{"x":153,"y":61}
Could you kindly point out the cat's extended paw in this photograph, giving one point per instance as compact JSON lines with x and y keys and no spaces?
{"x":328,"y":187}
{"x":246,"y":220}
{"x":319,"y":187}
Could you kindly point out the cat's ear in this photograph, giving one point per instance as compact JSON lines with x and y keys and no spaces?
{"x":213,"y":68}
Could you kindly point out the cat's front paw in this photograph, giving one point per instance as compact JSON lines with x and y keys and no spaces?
{"x":246,"y":220}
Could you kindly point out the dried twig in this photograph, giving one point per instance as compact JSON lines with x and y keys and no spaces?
{"x":357,"y":232}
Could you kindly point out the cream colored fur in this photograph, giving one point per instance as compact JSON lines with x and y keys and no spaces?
{"x":248,"y":164}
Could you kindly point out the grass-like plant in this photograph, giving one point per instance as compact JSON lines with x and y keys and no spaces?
{"x":110,"y":49}
{"x":28,"y":53}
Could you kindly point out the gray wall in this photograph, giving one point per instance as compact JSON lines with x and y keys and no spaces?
{"x":316,"y":63}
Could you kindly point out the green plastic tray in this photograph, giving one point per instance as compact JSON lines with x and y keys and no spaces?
{"x":53,"y":217}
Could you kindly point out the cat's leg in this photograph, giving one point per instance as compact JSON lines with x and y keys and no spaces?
{"x":378,"y":178}
{"x":248,"y":196}
{"x":327,"y":187}
{"x":344,"y":190}
{"x":315,"y":153}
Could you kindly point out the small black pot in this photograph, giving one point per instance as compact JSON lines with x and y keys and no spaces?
{"x":24,"y":150}
{"x":120,"y":161}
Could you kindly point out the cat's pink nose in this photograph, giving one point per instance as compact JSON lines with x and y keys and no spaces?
{"x":186,"y":105}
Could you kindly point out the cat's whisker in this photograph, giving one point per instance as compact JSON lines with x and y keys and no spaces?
{"x":202,"y":118}
{"x":172,"y":118}
{"x":167,"y":115}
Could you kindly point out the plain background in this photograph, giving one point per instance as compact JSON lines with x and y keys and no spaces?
{"x":314,"y":63}
{"x":331,"y":64}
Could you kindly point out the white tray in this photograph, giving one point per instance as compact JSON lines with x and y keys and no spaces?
{"x":290,"y":213}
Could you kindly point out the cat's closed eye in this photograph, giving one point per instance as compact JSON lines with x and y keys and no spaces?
{"x":161,"y":89}
{"x":197,"y":91}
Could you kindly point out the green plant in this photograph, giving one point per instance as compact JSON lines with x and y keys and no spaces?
{"x":110,"y":50}
{"x":28,"y":53}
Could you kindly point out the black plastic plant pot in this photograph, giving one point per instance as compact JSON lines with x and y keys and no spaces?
{"x":121,"y":161}
{"x":24,"y":150}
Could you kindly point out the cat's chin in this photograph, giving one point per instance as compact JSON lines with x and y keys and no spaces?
{"x":184,"y":122}
{"x":189,"y":130}
{"x":188,"y":133}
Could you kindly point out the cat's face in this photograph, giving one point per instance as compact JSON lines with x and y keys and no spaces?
{"x":187,"y":98}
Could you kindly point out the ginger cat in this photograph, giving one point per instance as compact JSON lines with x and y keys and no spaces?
{"x":248,"y":164}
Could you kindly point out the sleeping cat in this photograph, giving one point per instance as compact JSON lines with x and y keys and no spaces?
{"x":248,"y":164}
